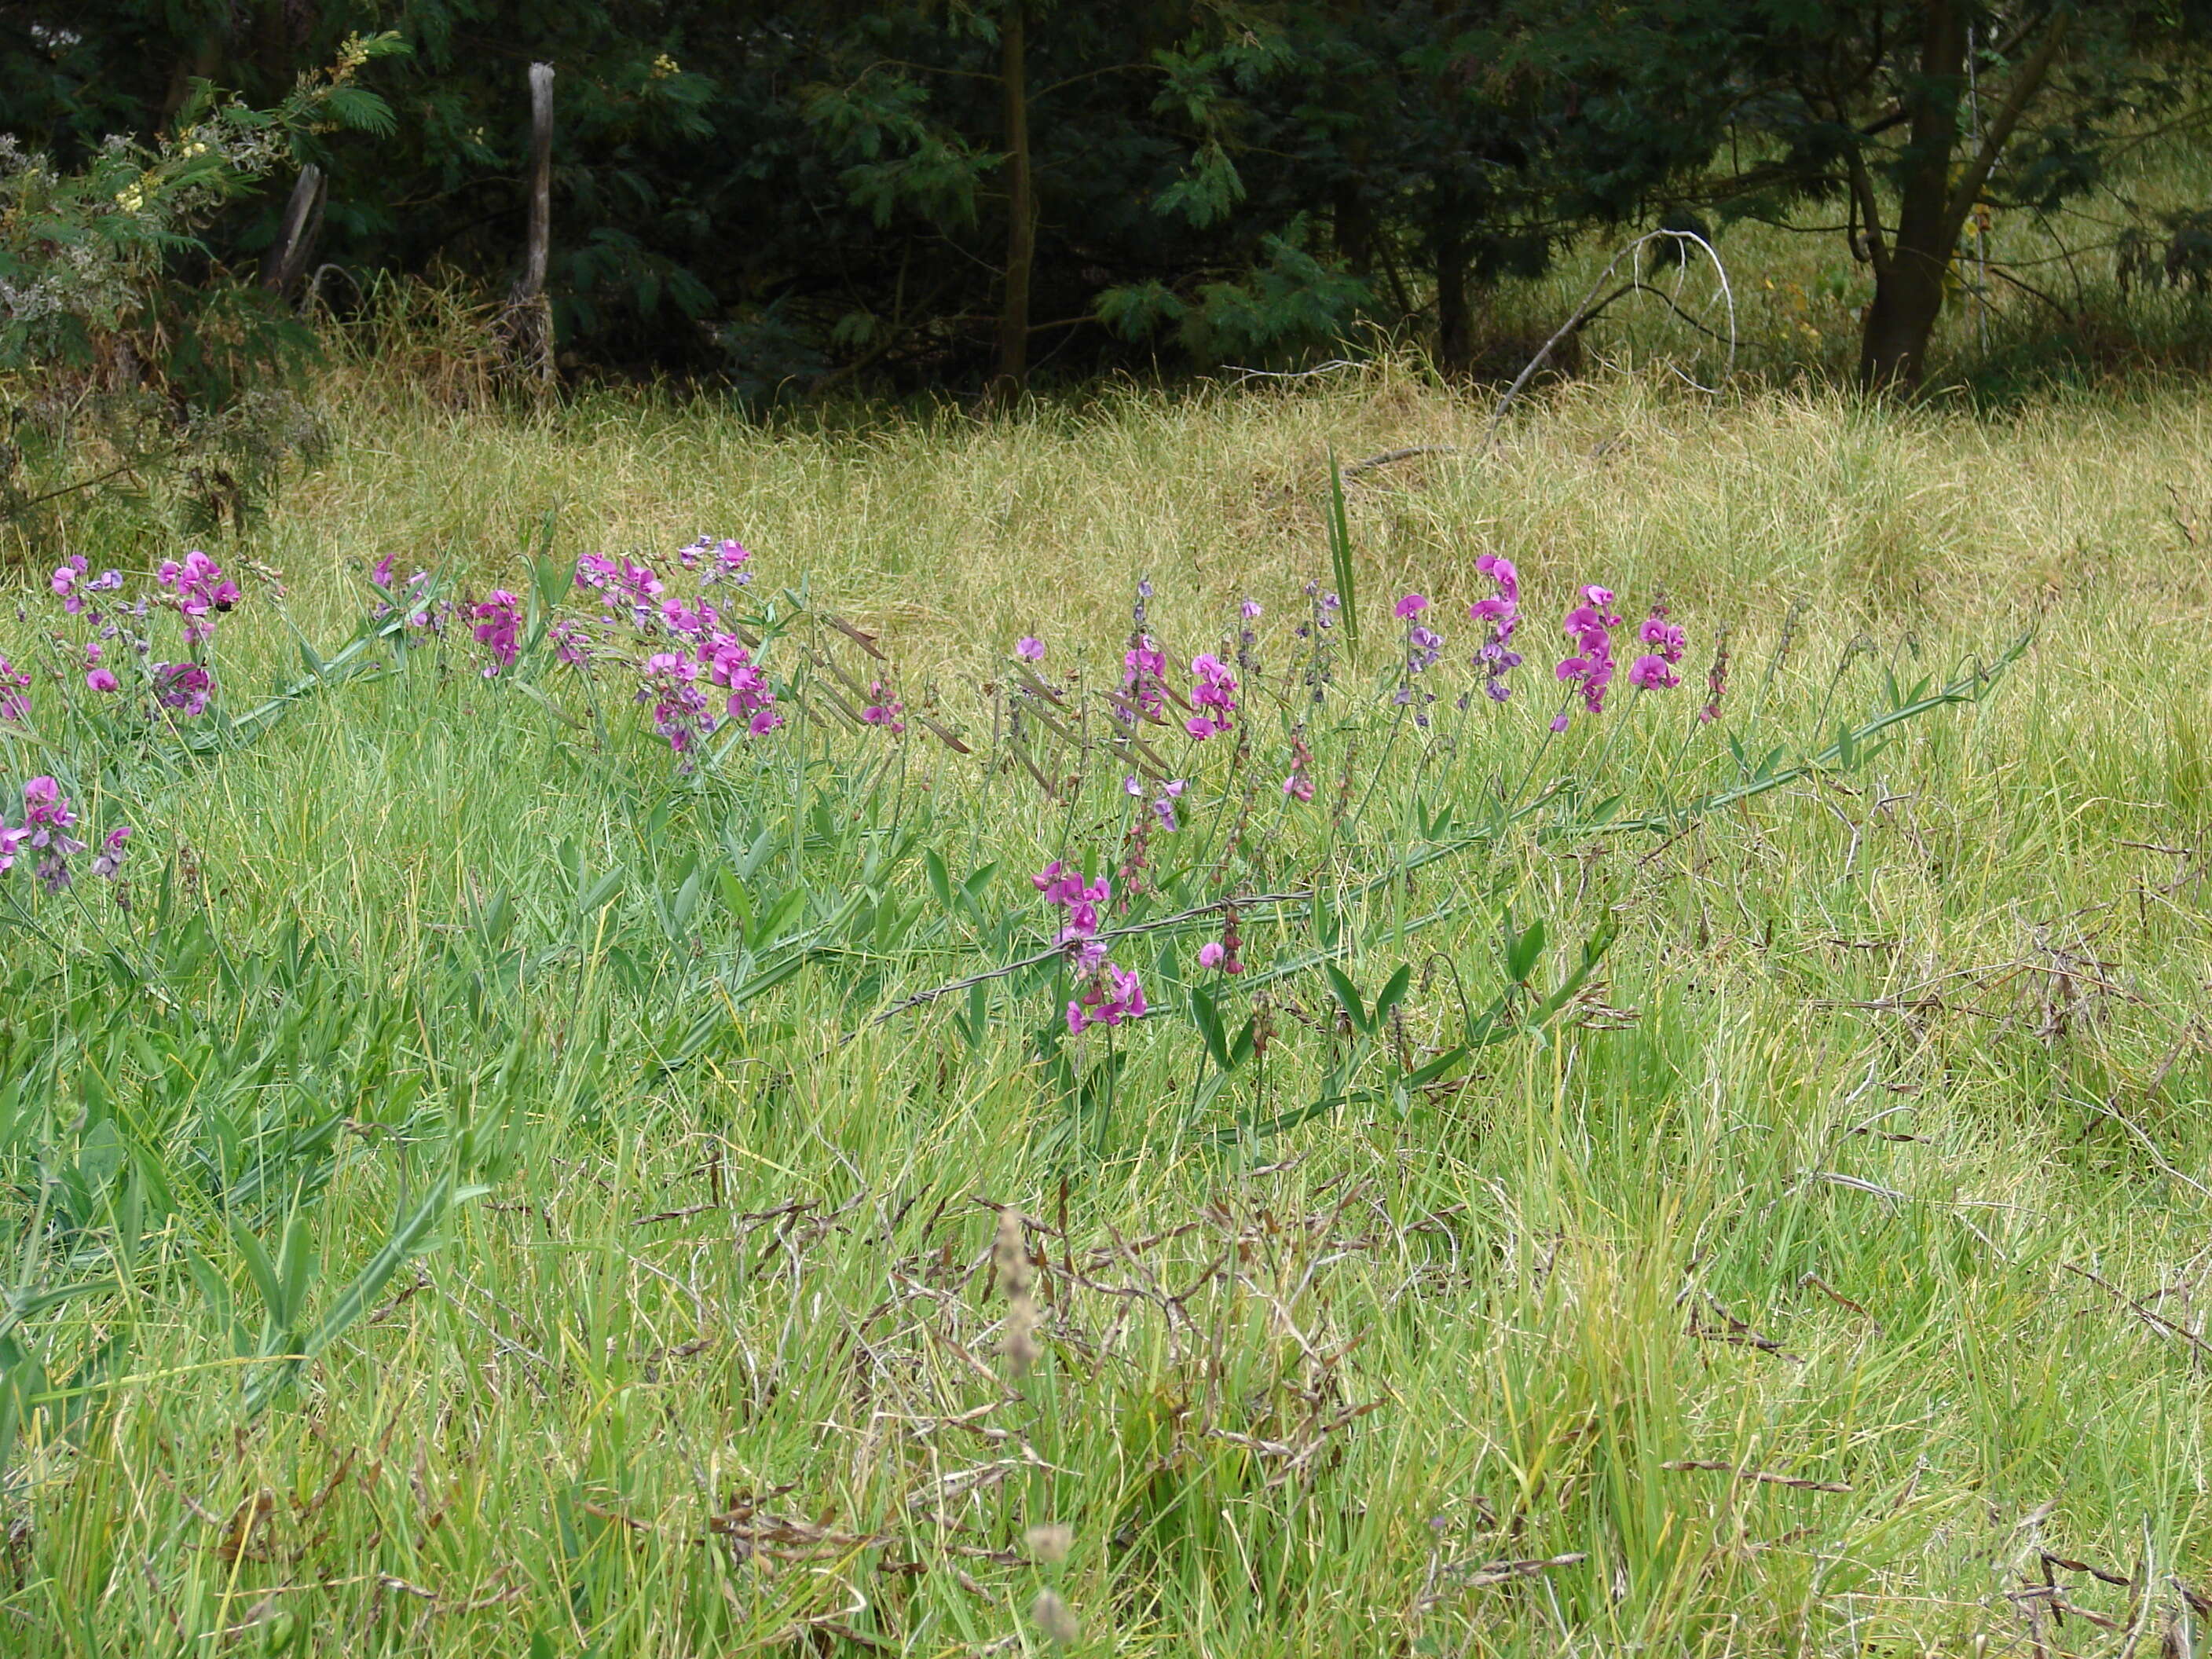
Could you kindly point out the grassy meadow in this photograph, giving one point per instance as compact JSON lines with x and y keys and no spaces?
{"x":476,"y":1187}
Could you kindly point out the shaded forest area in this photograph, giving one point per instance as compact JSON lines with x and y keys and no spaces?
{"x":974,"y":197}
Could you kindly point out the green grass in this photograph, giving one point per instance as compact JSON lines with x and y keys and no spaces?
{"x":1868,"y":1157}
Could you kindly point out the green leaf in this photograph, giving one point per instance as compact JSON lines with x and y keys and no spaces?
{"x":1340,"y":555}
{"x":1523,"y":949}
{"x":1346,"y":996}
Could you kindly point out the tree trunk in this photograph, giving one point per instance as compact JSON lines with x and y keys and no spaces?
{"x":1010,"y":373}
{"x":1455,"y":316}
{"x":1909,"y":273}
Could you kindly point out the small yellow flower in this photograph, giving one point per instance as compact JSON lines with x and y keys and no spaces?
{"x":130,"y":198}
{"x":664,"y":66}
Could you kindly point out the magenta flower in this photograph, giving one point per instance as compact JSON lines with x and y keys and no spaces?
{"x":1213,"y":695}
{"x":183,"y":686}
{"x":572,"y":644}
{"x":1590,"y":625}
{"x":1144,"y":665}
{"x":64,"y":583}
{"x":1029,"y":648}
{"x":100,"y":679}
{"x":1495,"y":656}
{"x":681,"y":713}
{"x":381,"y":575}
{"x":751,"y":699}
{"x":197,"y":586}
{"x":11,"y":844}
{"x":1650,"y":673}
{"x":622,"y":586}
{"x":499,"y":626}
{"x":1112,"y":995}
{"x":47,"y":821}
{"x":723,"y":559}
{"x":1211,"y":953}
{"x":15,"y":707}
{"x":1409,"y":607}
{"x":884,"y":711}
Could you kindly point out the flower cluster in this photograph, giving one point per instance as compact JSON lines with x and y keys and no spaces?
{"x":1299,"y":785}
{"x":698,"y":655}
{"x":722,"y":560}
{"x":196,"y":588}
{"x":499,"y":628}
{"x":1496,"y":657}
{"x":1163,"y":804}
{"x":71,"y":588}
{"x":1655,"y":669}
{"x":1590,"y":625}
{"x":1424,"y":645}
{"x":1107,"y":993}
{"x":47,"y":821}
{"x":621,"y":587}
{"x":1321,"y":617}
{"x":183,"y":687}
{"x":1144,"y":665}
{"x":1225,"y":953}
{"x":1213,"y":696}
{"x":883,"y":709}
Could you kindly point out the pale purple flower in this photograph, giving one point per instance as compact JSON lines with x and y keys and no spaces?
{"x":1029,"y":648}
{"x":1211,"y":953}
{"x":100,"y":679}
{"x":109,"y":859}
{"x":11,"y":843}
{"x":1249,"y":609}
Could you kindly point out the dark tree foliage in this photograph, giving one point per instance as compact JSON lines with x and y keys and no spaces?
{"x":973,"y":193}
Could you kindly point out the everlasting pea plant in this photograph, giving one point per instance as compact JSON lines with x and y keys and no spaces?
{"x":1229,"y":860}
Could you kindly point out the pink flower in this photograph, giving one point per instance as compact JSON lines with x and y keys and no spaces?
{"x":1411,"y":606}
{"x":1211,"y":953}
{"x":1029,"y":648}
{"x":1650,"y":673}
{"x":101,"y":680}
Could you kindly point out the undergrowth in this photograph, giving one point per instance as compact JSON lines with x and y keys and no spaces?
{"x":497,"y":1163}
